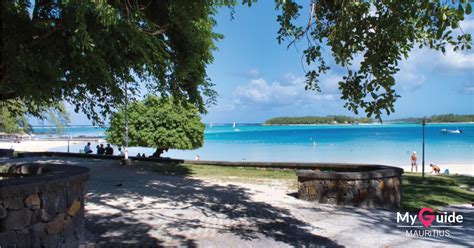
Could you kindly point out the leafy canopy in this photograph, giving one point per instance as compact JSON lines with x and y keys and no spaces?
{"x":160,"y":123}
{"x":84,"y":52}
{"x":17,"y":121}
{"x":382,"y":32}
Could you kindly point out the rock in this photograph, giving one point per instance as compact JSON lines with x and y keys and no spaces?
{"x":41,"y":216}
{"x":33,"y":201}
{"x":311,"y":190}
{"x":76,"y":205}
{"x":57,"y":225}
{"x":17,"y":219}
{"x":8,"y":238}
{"x":3,"y":212}
{"x":13,"y":203}
{"x":381,"y":185}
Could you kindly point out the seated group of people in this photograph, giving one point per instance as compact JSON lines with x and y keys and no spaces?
{"x":101,"y":150}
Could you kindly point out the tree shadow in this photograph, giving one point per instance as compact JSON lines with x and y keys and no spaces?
{"x":224,"y":209}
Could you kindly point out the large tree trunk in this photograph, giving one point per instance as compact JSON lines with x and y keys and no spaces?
{"x":158,"y":152}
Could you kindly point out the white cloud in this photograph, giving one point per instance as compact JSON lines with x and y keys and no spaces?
{"x":290,"y":90}
{"x":253,"y":73}
{"x":468,"y":88}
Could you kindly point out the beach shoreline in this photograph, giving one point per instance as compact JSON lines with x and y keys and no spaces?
{"x":54,"y":145}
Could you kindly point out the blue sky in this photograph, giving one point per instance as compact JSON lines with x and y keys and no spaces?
{"x":257,"y":78}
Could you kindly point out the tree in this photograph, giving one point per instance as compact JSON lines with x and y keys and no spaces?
{"x":158,"y":122}
{"x":18,"y":120}
{"x":382,"y":32}
{"x":84,"y":52}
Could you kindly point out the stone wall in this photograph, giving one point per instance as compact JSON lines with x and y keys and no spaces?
{"x":45,"y":210}
{"x":378,"y":188}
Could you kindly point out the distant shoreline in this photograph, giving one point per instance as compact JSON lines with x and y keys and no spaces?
{"x":366,"y":124}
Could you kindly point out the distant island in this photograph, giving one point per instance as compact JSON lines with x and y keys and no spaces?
{"x":447,"y":118}
{"x":308,"y":120}
{"x":341,"y":119}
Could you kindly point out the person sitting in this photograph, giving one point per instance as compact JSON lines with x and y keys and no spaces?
{"x":120,"y":152}
{"x":435,"y":169}
{"x":143,"y":155}
{"x":109,"y":150}
{"x":139,"y":155}
{"x":101,"y":150}
{"x":87,"y":148}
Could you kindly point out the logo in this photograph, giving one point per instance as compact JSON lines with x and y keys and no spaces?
{"x":433,"y":224}
{"x":427,"y":219}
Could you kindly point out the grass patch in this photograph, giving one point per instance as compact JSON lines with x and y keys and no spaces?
{"x":435,"y":191}
{"x":221,"y":171}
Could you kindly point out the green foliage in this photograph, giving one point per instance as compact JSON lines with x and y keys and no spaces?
{"x":381,"y":32}
{"x":441,"y":118}
{"x":17,"y":121}
{"x":330,"y":119}
{"x":83,"y":52}
{"x":158,"y":123}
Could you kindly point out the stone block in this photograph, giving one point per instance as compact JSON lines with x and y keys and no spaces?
{"x":3,"y":212}
{"x":41,"y":216}
{"x":57,"y":225}
{"x":33,"y":201}
{"x":17,"y":219}
{"x":38,"y":234}
{"x":54,"y":202}
{"x":74,"y":208}
{"x":311,"y":190}
{"x":13,"y":203}
{"x":8,"y":238}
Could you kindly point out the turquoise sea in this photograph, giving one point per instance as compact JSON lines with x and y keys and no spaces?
{"x":375,"y":143}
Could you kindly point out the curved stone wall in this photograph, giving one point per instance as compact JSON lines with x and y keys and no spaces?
{"x":352,"y":185}
{"x":42,"y":205}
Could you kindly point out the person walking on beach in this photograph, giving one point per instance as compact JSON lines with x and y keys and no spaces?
{"x":414,"y":158}
{"x":87,"y":148}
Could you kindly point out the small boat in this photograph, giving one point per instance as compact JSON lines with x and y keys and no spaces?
{"x":233,"y":125}
{"x":456,"y":131}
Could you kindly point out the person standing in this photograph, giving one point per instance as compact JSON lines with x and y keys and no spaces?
{"x":414,"y":159}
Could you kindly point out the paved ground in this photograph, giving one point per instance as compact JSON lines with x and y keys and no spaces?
{"x":150,"y":209}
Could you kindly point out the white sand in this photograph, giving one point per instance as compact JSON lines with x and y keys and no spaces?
{"x":47,"y":145}
{"x":38,"y":145}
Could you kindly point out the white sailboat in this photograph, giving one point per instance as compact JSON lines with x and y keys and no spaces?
{"x":233,"y":125}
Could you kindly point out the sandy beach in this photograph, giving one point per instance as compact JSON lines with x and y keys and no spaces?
{"x":58,"y":145}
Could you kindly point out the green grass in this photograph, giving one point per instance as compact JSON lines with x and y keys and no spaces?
{"x":435,"y":191}
{"x":222,"y":171}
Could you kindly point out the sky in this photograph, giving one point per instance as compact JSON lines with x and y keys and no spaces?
{"x":257,"y":78}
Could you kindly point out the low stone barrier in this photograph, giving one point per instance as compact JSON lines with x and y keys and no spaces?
{"x":6,"y":152}
{"x":358,"y":185}
{"x":370,"y":186}
{"x":42,"y":206}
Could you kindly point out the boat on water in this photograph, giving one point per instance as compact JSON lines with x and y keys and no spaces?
{"x":233,"y":125}
{"x":456,"y":131}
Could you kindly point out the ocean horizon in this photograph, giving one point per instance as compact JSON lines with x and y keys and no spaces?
{"x":368,"y":143}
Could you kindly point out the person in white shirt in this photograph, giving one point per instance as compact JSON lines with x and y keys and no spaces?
{"x":87,"y":148}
